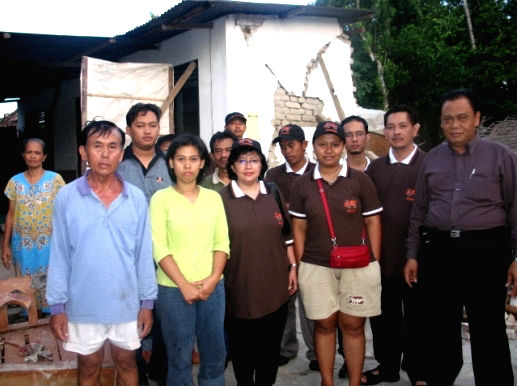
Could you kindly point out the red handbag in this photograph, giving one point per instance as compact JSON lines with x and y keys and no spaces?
{"x":356,"y":256}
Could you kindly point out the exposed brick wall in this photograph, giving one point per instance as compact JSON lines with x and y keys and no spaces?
{"x":290,"y":108}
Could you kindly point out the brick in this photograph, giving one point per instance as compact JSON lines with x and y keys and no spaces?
{"x":292,"y":105}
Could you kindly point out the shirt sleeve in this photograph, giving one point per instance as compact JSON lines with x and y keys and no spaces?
{"x":10,"y":191}
{"x":417,"y":216}
{"x":60,"y":254}
{"x":509,"y":189}
{"x":159,"y":226}
{"x":221,"y":238}
{"x":370,"y":201}
{"x":296,"y":204}
{"x":146,"y":275}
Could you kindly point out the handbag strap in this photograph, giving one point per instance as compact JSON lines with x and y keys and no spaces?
{"x":329,"y":219}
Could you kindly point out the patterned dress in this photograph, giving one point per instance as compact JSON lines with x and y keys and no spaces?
{"x":32,"y":227}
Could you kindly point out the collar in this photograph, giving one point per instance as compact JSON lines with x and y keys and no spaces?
{"x":215,"y":177}
{"x":84,"y":187}
{"x":300,"y":172}
{"x":406,"y":160}
{"x":470,"y":147}
{"x":368,"y":161}
{"x":239,"y":193}
{"x":342,"y":173}
{"x":128,"y":152}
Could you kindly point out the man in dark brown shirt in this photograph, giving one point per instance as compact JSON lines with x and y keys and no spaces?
{"x":463,"y":231}
{"x":291,"y":139}
{"x":394,"y":177}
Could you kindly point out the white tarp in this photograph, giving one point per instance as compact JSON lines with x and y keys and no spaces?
{"x":109,"y":89}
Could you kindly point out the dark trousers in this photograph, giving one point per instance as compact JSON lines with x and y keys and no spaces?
{"x":255,"y":347}
{"x":397,"y":330}
{"x":468,"y":271}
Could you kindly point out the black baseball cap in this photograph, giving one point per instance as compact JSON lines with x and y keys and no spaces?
{"x":290,"y":132}
{"x":247,"y":142}
{"x":329,"y":127}
{"x":234,"y":115}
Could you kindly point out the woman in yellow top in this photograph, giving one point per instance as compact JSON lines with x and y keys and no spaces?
{"x":28,"y":225}
{"x":190,"y":246}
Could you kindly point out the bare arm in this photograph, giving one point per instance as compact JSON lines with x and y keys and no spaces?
{"x":189,"y":291}
{"x":293,"y":272}
{"x":373,"y":227}
{"x":6,"y":248}
{"x":299,"y":234}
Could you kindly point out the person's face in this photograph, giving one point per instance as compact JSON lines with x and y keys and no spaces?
{"x":144,"y":130}
{"x":247,"y":167}
{"x":293,"y":151}
{"x":222,"y":150}
{"x":399,"y":131}
{"x":103,"y":153}
{"x":459,"y":122}
{"x":237,"y":126}
{"x":356,"y":137}
{"x":33,"y":154}
{"x":187,"y":164}
{"x":164,"y":146}
{"x":328,"y":149}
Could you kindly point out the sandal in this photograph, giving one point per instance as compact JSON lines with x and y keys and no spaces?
{"x":374,"y":379}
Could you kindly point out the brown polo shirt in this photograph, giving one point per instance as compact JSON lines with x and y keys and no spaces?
{"x":256,"y":274}
{"x":350,"y":198}
{"x":284,"y":177}
{"x":395,"y":183}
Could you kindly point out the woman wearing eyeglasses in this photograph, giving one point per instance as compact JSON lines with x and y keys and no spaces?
{"x":336,"y":297}
{"x":260,"y":274}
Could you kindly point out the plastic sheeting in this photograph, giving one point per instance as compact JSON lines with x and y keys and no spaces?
{"x":109,"y":89}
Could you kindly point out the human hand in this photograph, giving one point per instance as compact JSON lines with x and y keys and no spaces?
{"x":206,"y":286}
{"x":293,"y":281}
{"x":512,"y":278}
{"x":6,"y":256}
{"x":144,"y":322}
{"x":411,"y":271}
{"x":190,"y":292}
{"x":59,"y":326}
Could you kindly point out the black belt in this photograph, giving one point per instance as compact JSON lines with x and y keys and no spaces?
{"x":458,"y":233}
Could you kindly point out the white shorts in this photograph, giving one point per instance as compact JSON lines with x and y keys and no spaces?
{"x":87,"y":338}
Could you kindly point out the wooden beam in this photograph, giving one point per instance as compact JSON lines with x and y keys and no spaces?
{"x":180,"y":26}
{"x":179,"y":84}
{"x":337,"y":104}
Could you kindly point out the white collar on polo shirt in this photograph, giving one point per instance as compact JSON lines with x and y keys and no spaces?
{"x":342,"y":172}
{"x":300,"y":172}
{"x":406,"y":160}
{"x":239,"y":193}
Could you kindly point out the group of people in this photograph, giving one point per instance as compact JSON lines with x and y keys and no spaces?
{"x":233,"y":244}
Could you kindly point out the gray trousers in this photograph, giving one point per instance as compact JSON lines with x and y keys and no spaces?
{"x":289,"y":347}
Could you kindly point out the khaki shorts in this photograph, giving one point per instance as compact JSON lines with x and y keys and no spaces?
{"x":355,"y":292}
{"x":87,"y":338}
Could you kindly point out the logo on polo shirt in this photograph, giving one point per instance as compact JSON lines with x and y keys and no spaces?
{"x":159,"y":179}
{"x":278,"y":218}
{"x":410,"y":194}
{"x":350,"y":206}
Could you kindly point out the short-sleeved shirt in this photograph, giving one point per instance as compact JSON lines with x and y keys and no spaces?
{"x":395,"y":183}
{"x":350,"y":198}
{"x":284,"y":177}
{"x":256,"y":275}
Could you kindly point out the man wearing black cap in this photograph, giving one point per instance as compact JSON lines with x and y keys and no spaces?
{"x":236,"y":123}
{"x":292,"y":145}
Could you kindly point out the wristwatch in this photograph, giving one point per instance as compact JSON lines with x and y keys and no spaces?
{"x":294,"y":265}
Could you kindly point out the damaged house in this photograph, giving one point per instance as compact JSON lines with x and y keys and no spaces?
{"x":275,"y":63}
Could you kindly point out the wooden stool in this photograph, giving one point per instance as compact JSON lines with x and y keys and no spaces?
{"x":17,"y":290}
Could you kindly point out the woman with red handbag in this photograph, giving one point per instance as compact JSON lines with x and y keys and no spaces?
{"x":333,"y":210}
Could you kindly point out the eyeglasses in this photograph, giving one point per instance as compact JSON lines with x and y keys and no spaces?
{"x":357,"y":134}
{"x":252,"y":162}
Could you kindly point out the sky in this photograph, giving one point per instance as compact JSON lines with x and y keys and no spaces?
{"x":84,"y":18}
